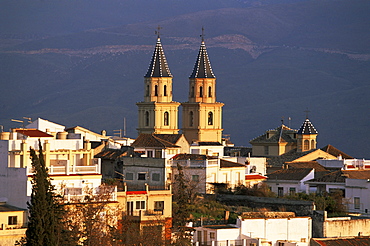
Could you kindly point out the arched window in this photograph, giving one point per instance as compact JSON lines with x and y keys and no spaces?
{"x":313,"y":144}
{"x":156,"y":90}
{"x":192,"y":91}
{"x":166,"y":118}
{"x":210,"y":91}
{"x":147,"y":91}
{"x":146,"y":118}
{"x":165,"y":90}
{"x":210,"y":118}
{"x":201,"y":91}
{"x":191,"y":118}
{"x":306,"y":145}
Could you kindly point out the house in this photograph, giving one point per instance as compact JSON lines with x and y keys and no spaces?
{"x":70,"y":161}
{"x":258,"y":228}
{"x":13,"y":223}
{"x":206,"y":172}
{"x":289,"y":181}
{"x":353,"y":184}
{"x":342,"y":241}
{"x":148,"y":210}
{"x":283,"y":139}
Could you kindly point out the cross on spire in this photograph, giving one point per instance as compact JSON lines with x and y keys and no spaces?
{"x":158,"y":32}
{"x":202,"y":35}
{"x":307,"y":111}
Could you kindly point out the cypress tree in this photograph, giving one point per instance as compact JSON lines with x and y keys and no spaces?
{"x":45,"y":211}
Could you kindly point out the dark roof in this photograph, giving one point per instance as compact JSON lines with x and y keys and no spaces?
{"x":335,"y":152}
{"x":33,"y":133}
{"x":158,"y":66}
{"x":237,"y":151}
{"x":332,"y":177}
{"x":278,"y":161}
{"x":289,"y":174}
{"x":9,"y":208}
{"x":202,"y":67}
{"x":307,"y":128}
{"x":190,"y":157}
{"x":113,"y":154}
{"x":344,"y":241}
{"x":209,"y":143}
{"x":320,"y":170}
{"x":281,"y":134}
{"x":226,"y":164}
{"x":156,"y":140}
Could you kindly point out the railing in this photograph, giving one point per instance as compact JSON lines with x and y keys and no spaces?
{"x":140,"y":213}
{"x":242,"y":242}
{"x":68,"y":169}
{"x":12,"y":227}
{"x":79,"y":195}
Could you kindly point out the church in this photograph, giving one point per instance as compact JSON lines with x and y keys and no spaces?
{"x":201,"y":114}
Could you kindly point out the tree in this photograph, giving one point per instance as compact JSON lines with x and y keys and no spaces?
{"x":45,"y":208}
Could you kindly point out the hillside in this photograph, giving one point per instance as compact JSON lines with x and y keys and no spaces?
{"x":271,"y":61}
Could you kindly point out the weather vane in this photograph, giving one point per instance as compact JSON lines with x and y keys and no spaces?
{"x":158,"y":32}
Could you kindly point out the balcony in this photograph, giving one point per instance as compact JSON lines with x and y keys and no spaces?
{"x":65,"y":168}
{"x":99,"y":194}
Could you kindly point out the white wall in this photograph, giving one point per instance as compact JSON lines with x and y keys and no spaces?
{"x":358,"y":188}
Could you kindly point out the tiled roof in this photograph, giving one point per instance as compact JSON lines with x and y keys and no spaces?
{"x":190,"y":157}
{"x":332,"y":177}
{"x":307,"y":164}
{"x":280,"y":135}
{"x":158,"y":66}
{"x":33,"y":133}
{"x":113,"y":154}
{"x":226,"y":164}
{"x":307,"y":128}
{"x":344,"y":241}
{"x":278,"y":161}
{"x":254,"y":176}
{"x":289,"y":174}
{"x":202,"y":67}
{"x":155,"y":141}
{"x":9,"y":208}
{"x":335,"y":152}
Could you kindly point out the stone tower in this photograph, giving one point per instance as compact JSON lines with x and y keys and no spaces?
{"x":158,"y":114}
{"x":306,"y":136}
{"x":202,"y":115}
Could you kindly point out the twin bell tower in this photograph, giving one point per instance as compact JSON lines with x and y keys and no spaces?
{"x":201,"y":114}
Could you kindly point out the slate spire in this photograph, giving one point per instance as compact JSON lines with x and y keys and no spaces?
{"x":158,"y":66}
{"x":307,"y":128}
{"x":202,"y":67}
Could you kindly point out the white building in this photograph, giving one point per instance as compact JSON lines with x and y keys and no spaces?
{"x":258,"y":228}
{"x":70,"y":160}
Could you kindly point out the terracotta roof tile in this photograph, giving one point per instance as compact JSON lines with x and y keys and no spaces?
{"x":289,"y":174}
{"x":155,"y":141}
{"x":335,"y":152}
{"x":226,"y":164}
{"x":33,"y":133}
{"x":348,"y":241}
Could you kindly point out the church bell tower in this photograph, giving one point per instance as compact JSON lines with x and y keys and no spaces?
{"x":158,"y":114}
{"x":202,"y":115}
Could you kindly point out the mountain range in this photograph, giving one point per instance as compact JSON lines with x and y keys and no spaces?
{"x":82,"y":63}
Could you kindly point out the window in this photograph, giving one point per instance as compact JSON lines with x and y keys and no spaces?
{"x":146,"y":118}
{"x":280,"y":191}
{"x":165,"y":120}
{"x":313,"y":144}
{"x":212,"y":235}
{"x":210,"y":118}
{"x":156,"y":177}
{"x":199,"y":236}
{"x":147,"y":91}
{"x":149,"y":153}
{"x":201,"y":91}
{"x":129,"y":176}
{"x":156,"y":90}
{"x":266,"y":150}
{"x":12,"y":220}
{"x":210,"y":91}
{"x":191,"y":118}
{"x":357,"y":202}
{"x":306,"y":145}
{"x":195,"y":178}
{"x":140,"y":205}
{"x":165,"y":90}
{"x":158,"y":205}
{"x":192,"y":91}
{"x":141,"y":176}
{"x":292,"y":190}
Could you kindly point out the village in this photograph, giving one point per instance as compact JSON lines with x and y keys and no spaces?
{"x":270,"y":191}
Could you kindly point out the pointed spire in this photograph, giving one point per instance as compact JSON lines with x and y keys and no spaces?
{"x":158,"y":66}
{"x":202,"y":67}
{"x":307,"y":128}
